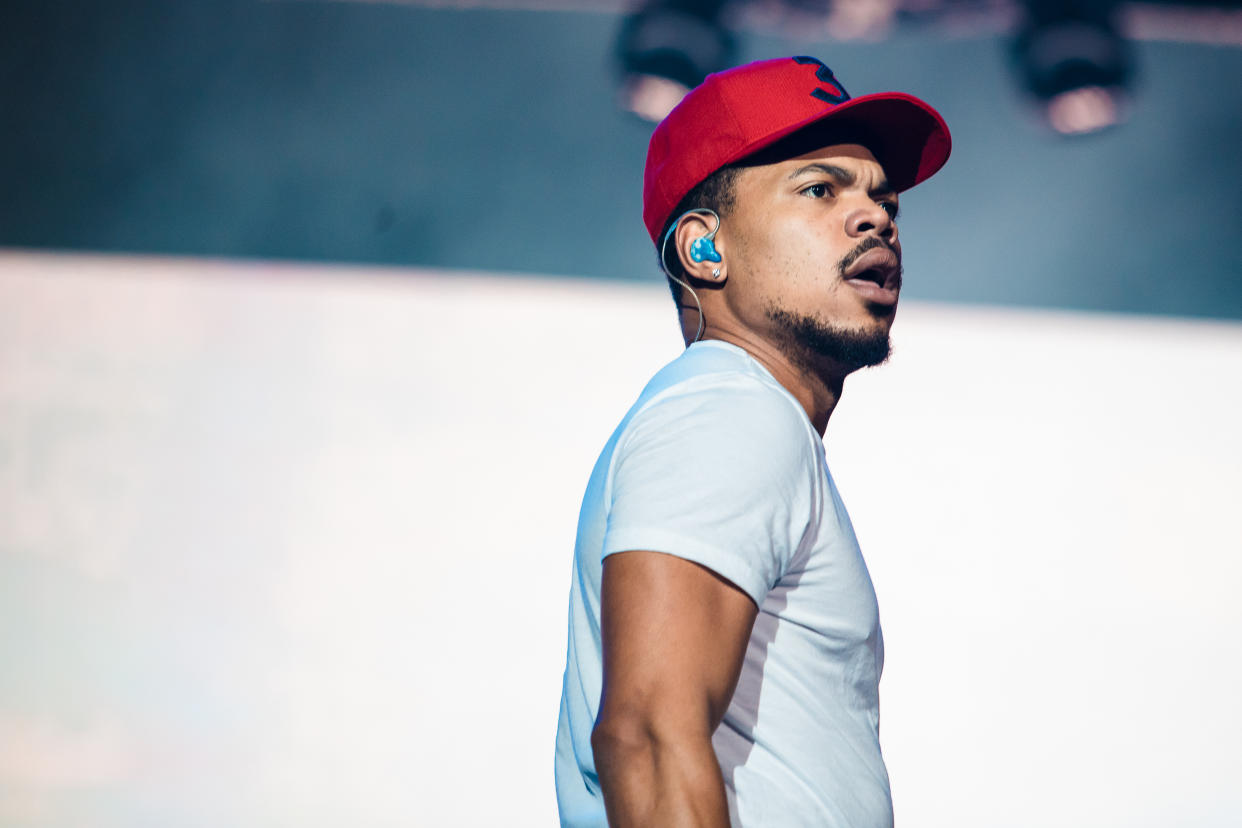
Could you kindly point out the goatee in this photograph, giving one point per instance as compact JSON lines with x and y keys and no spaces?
{"x":807,"y":338}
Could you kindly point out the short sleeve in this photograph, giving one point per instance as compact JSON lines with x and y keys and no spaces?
{"x":722,"y":474}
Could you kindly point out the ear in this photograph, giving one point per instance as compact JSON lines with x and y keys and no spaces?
{"x":693,"y":228}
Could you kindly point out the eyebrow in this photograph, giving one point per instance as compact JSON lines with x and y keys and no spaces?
{"x":844,"y":177}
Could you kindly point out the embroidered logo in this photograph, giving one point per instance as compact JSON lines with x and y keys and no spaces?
{"x":835,"y":93}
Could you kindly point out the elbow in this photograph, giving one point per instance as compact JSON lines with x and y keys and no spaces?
{"x":635,"y":737}
{"x":620,"y":739}
{"x":653,"y":771}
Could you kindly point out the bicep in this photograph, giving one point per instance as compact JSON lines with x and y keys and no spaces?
{"x":674,"y":638}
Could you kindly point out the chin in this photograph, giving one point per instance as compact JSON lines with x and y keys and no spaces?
{"x":850,"y":346}
{"x":881,"y":311}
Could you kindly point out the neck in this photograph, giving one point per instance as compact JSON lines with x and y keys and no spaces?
{"x":816,"y":382}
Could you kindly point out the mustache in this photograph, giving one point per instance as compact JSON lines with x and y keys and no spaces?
{"x":869,"y":243}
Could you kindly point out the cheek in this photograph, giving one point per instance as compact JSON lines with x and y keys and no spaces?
{"x":795,"y":279}
{"x":805,"y":264}
{"x":785,"y":263}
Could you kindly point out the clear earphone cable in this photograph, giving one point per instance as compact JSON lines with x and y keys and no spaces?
{"x":664,"y":266}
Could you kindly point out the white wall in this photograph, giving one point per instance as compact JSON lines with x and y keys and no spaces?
{"x":290,"y":546}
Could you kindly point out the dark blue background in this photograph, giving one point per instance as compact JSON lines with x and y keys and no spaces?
{"x":490,"y":140}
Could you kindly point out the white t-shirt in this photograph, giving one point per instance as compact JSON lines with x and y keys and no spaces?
{"x":718,"y":464}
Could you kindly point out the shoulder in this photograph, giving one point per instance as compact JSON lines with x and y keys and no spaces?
{"x":735,"y":401}
{"x":719,"y":466}
{"x":733,"y":409}
{"x":722,"y":378}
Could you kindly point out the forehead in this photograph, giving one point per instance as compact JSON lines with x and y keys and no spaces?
{"x":854,"y":159}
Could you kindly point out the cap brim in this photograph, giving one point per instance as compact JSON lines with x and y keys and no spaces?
{"x":909,"y":138}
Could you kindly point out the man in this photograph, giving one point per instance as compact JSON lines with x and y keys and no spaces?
{"x":724,"y":641}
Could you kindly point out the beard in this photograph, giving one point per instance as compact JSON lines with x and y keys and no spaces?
{"x":807,"y":339}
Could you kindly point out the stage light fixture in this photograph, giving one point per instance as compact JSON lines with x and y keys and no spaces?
{"x":1074,"y":63}
{"x":667,"y":48}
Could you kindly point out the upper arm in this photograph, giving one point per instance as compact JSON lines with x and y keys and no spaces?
{"x":711,"y":492}
{"x":674,"y":638}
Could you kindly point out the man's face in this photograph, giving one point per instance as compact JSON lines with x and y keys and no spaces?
{"x":814,"y":260}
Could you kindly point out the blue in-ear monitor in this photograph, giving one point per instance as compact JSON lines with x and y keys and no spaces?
{"x":704,"y":248}
{"x":701,"y":249}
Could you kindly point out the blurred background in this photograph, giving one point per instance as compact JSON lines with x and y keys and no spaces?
{"x":314,"y":316}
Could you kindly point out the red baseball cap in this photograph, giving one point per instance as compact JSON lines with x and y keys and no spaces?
{"x":735,"y":113}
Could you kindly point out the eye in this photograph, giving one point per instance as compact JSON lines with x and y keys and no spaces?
{"x":891,"y":208}
{"x":818,"y":191}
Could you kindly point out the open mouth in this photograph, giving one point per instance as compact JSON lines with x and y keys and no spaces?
{"x":872,"y":274}
{"x":876,"y":274}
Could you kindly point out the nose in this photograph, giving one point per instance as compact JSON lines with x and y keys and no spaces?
{"x":871,"y":219}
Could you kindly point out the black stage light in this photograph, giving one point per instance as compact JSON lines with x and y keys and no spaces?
{"x":667,"y":48}
{"x":1075,"y":63}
